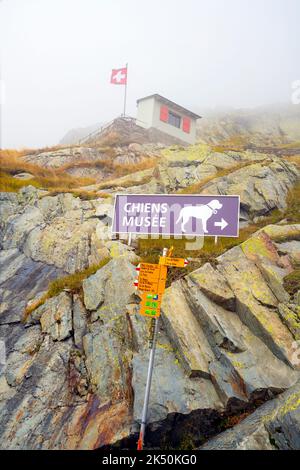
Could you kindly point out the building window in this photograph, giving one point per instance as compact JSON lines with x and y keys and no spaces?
{"x":174,"y":120}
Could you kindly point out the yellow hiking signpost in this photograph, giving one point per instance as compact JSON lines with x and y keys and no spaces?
{"x":151,"y":282}
{"x":152,"y":278}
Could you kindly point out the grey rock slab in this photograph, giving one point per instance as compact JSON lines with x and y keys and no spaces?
{"x":222,"y":326}
{"x":10,"y":262}
{"x":185,"y":332}
{"x":19,"y":226}
{"x":79,"y":321}
{"x":33,"y":413}
{"x":102,"y":289}
{"x":23,"y":355}
{"x":24,"y":284}
{"x":292,"y":248}
{"x":56,"y":317}
{"x":273,"y":275}
{"x":107,"y":359}
{"x":64,"y":243}
{"x":253,"y":298}
{"x":262,"y":187}
{"x":171,"y":390}
{"x":214,"y":285}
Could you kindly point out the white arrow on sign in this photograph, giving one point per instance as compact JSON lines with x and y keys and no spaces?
{"x":221,"y":224}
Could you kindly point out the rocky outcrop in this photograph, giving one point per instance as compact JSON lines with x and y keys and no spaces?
{"x":238,"y":338}
{"x":64,"y":156}
{"x":76,"y":369}
{"x":262,"y":181}
{"x":61,"y":231}
{"x":273,"y":426}
{"x":98,"y":162}
{"x":262,"y":188}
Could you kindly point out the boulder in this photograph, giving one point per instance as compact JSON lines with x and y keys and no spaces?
{"x":274,"y":425}
{"x":186,"y":333}
{"x":100,"y":288}
{"x":214,"y":285}
{"x":63,"y":156}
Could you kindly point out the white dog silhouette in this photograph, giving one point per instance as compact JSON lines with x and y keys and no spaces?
{"x":203,"y":212}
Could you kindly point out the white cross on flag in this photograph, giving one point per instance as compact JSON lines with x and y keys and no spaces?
{"x":119,"y":76}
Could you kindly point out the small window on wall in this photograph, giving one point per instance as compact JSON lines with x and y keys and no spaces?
{"x":174,"y":120}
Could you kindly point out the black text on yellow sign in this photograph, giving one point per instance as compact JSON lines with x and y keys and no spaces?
{"x":174,"y":262}
{"x":152,"y":278}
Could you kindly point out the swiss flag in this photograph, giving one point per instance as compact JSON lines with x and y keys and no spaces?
{"x":119,"y":76}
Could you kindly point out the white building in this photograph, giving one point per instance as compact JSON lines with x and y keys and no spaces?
{"x":157,"y":112}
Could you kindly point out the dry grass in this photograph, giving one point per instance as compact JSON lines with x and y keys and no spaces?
{"x":128,"y":168}
{"x":235,"y":143}
{"x":83,"y":194}
{"x":99,"y":164}
{"x":117,"y":169}
{"x":292,"y":212}
{"x":72,"y":283}
{"x":57,"y":179}
{"x":291,"y":145}
{"x":10,"y":184}
{"x":293,"y":159}
{"x":13,"y":153}
{"x":10,"y":153}
{"x":47,"y":178}
{"x":292,"y":281}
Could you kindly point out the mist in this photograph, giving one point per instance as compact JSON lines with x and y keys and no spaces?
{"x":57,"y":56}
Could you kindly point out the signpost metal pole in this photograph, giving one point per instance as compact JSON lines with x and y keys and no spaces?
{"x":129,"y":238}
{"x":149,"y":379}
{"x":148,"y":386}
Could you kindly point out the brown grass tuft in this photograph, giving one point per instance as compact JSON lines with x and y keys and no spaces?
{"x":41,"y":177}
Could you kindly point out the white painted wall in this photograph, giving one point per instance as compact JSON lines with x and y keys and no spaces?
{"x":145,"y":113}
{"x":148,"y":115}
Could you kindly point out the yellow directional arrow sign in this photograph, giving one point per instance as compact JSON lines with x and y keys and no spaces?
{"x":152,"y":278}
{"x":174,"y":262}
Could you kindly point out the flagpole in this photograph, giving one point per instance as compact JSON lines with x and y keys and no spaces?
{"x":125,"y":92}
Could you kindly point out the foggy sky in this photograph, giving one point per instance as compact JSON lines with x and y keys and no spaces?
{"x":57,"y":56}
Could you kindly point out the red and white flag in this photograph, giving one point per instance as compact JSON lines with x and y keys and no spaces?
{"x":119,"y":76}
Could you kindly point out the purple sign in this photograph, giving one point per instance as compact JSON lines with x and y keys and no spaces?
{"x":169,"y":214}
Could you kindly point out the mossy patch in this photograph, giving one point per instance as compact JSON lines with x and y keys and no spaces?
{"x":254,"y":247}
{"x":191,"y":153}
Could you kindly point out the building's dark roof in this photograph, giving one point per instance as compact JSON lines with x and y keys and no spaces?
{"x":171,"y":103}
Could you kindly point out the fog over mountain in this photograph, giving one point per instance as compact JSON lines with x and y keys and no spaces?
{"x":262,"y":126}
{"x":57,"y":55}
